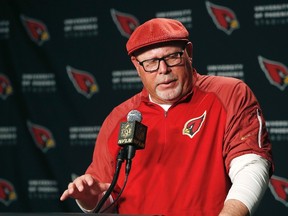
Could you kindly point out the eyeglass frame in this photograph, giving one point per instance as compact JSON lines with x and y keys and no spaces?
{"x":180,"y":53}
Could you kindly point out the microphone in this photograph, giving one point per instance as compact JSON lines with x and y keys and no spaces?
{"x":132,"y":135}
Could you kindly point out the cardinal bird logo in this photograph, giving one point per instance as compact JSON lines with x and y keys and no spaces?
{"x":42,"y":136}
{"x":125,"y":23}
{"x":223,"y":17}
{"x":83,"y":81}
{"x":36,"y":29}
{"x":7,"y":192}
{"x":276,"y":72}
{"x":279,"y":188}
{"x":194,"y":125}
{"x":5,"y":87}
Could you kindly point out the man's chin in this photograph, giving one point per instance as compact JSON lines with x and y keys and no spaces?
{"x":169,"y":97}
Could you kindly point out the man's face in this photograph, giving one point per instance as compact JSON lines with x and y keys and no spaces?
{"x":167,"y":84}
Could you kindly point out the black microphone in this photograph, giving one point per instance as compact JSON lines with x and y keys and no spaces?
{"x":132,"y":135}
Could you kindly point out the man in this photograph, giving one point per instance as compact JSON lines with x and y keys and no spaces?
{"x":207,"y":149}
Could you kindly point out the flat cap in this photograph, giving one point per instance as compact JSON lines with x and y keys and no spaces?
{"x":156,"y":30}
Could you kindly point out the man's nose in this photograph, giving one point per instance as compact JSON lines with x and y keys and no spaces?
{"x":163,"y":67}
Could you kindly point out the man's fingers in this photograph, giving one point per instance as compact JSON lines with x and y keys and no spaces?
{"x":81,"y":181}
{"x":89,"y":180}
{"x":84,"y":186}
{"x":79,"y":186}
{"x":65,"y":195}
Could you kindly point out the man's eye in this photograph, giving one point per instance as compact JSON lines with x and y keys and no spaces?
{"x":152,"y":61}
{"x":175,"y":55}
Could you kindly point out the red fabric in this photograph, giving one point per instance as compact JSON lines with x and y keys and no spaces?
{"x":157,"y":30}
{"x":177,"y":174}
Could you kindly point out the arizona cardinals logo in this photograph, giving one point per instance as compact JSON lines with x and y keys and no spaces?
{"x":125,"y":23}
{"x":42,"y":136}
{"x":279,"y":188}
{"x":223,"y":17}
{"x":36,"y":29}
{"x":7,"y":192}
{"x":276,"y":73}
{"x":193,"y":126}
{"x":5,"y":87}
{"x":83,"y":81}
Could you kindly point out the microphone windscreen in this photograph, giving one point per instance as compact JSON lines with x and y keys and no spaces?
{"x":134,"y":115}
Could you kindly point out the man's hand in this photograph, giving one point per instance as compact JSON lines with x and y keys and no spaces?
{"x":86,"y":190}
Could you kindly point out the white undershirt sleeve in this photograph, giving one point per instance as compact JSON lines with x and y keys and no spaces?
{"x":249,"y":174}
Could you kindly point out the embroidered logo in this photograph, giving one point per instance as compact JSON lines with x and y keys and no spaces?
{"x":194,"y":125}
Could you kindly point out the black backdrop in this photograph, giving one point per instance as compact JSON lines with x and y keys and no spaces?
{"x":63,"y":67}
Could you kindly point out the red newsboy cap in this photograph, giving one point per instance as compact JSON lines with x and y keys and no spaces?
{"x":156,"y":30}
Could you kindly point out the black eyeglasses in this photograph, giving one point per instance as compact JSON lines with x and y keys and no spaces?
{"x":152,"y":65}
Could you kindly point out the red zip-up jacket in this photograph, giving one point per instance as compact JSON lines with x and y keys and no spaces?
{"x":184,"y":167}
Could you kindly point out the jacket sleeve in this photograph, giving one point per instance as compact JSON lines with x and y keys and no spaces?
{"x":246,"y":131}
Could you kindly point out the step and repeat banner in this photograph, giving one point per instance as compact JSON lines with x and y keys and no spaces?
{"x":63,"y":67}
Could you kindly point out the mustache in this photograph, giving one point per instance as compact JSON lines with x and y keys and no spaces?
{"x":166,"y":79}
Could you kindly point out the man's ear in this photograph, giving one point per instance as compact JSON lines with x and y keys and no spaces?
{"x":189,"y":48}
{"x":135,"y":63}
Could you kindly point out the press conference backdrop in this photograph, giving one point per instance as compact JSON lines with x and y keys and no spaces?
{"x":63,"y":67}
